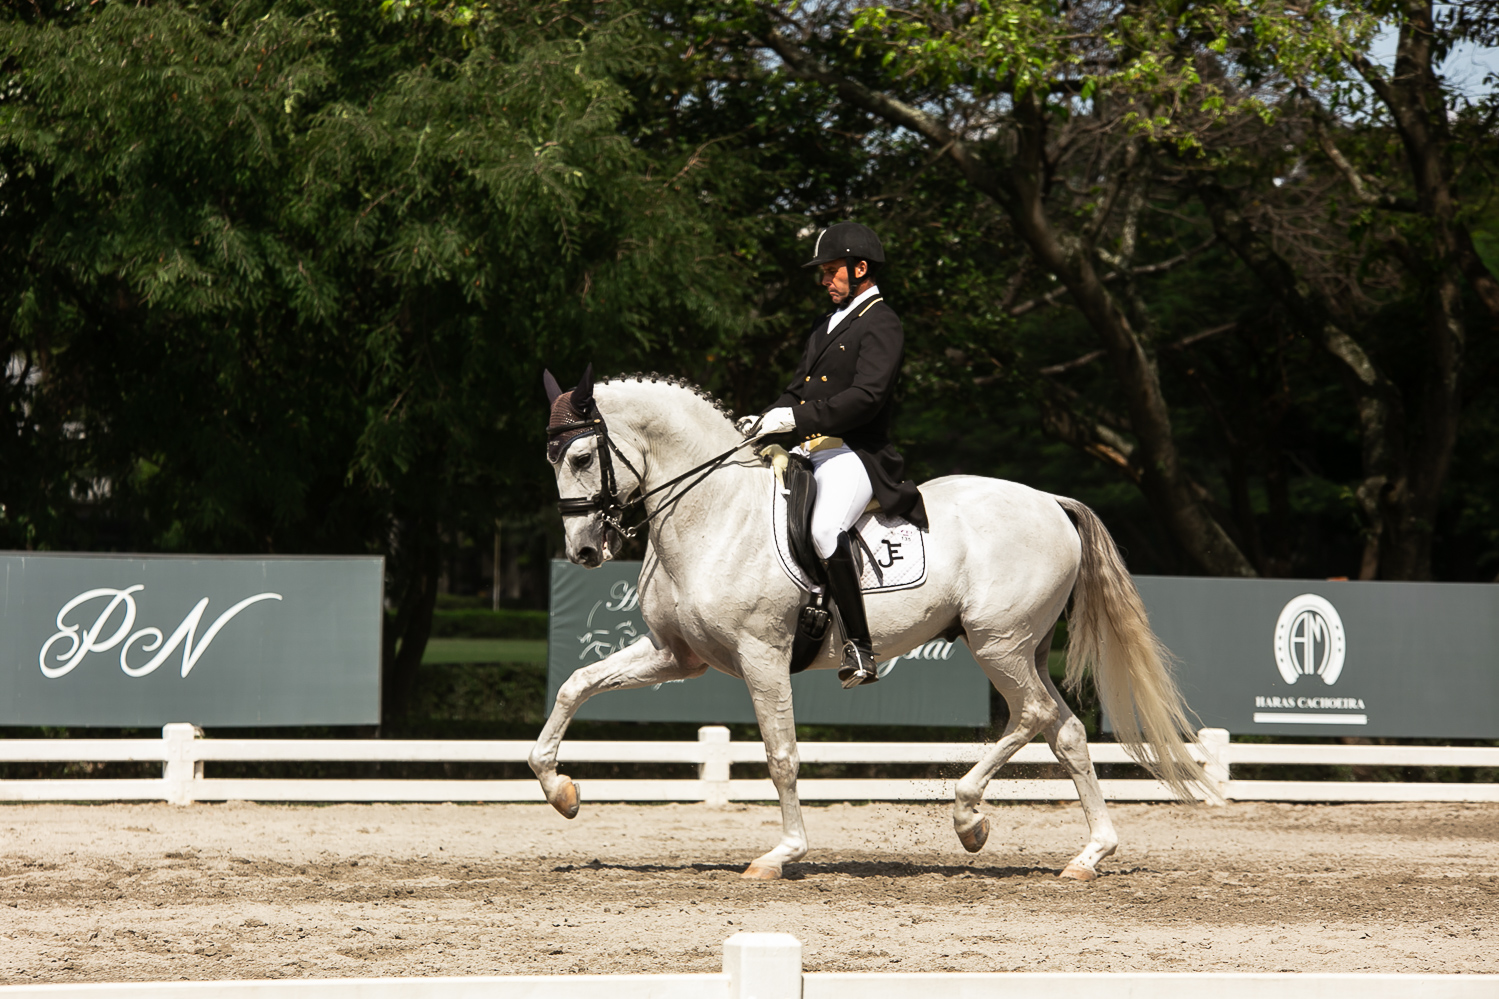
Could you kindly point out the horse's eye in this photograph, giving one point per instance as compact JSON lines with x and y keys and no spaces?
{"x":583,"y":460}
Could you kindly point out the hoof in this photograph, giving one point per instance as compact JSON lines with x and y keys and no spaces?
{"x":760,"y":872}
{"x":566,"y":800}
{"x":974,"y":839}
{"x":1077,"y":872}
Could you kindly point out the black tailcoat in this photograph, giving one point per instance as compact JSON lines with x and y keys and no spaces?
{"x":845,"y":387}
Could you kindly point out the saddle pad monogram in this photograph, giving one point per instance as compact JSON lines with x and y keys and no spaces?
{"x":897,"y":546}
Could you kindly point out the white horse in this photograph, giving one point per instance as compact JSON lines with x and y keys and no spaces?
{"x":1002,"y":561}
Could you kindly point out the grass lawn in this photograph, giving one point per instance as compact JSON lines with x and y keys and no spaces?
{"x":485,"y":650}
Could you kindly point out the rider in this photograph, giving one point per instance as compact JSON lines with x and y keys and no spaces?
{"x":839,"y":405}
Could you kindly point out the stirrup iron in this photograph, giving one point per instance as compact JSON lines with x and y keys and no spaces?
{"x":858,"y":667}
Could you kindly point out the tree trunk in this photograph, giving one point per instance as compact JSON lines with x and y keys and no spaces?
{"x":1418,"y":107}
{"x":416,"y":566}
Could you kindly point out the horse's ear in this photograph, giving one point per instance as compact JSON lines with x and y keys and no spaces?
{"x":553,"y":389}
{"x":583,"y":394}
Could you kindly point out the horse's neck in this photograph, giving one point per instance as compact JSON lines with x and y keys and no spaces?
{"x":675,"y":431}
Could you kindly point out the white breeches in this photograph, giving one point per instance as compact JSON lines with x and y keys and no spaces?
{"x":843,"y":491}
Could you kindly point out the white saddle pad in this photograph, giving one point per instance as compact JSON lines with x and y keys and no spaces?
{"x":898,"y":547}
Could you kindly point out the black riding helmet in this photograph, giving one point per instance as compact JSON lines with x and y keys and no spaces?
{"x":848,"y":241}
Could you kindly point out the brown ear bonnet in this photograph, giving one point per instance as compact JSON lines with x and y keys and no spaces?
{"x":569,"y":409}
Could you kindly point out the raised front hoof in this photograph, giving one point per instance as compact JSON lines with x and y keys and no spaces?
{"x":973,"y":840}
{"x":566,"y":799}
{"x":1077,"y":872}
{"x":761,"y":872}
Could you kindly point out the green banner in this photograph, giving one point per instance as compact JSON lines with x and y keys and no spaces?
{"x":135,"y":640}
{"x":596,"y":612}
{"x":1315,"y":657}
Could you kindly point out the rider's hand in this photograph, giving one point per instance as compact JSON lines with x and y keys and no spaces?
{"x":778,"y":421}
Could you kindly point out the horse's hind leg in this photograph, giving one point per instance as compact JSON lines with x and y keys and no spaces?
{"x":1032,"y":709}
{"x":639,"y":665}
{"x":1069,"y":741}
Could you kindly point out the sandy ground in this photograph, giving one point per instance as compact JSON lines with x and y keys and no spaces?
{"x":153,"y":892}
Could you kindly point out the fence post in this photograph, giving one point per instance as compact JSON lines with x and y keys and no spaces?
{"x":714,"y":770}
{"x":182,"y":765}
{"x":763,"y":966}
{"x":1215,"y":748}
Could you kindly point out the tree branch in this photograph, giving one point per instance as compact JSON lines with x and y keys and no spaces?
{"x":800,"y":64}
{"x":1053,"y":370}
{"x":1061,"y":419}
{"x":1355,"y":179}
{"x":1056,"y":294}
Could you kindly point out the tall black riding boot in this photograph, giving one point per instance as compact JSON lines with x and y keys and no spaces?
{"x":843,"y":586}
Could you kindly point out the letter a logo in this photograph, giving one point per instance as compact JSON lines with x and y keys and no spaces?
{"x":1309,"y":640}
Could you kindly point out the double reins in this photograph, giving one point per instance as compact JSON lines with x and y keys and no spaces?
{"x":606,"y":501}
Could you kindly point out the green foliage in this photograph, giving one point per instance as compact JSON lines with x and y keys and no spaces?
{"x":308,"y":240}
{"x":1158,"y":63}
{"x":281,"y":276}
{"x":489,"y":624}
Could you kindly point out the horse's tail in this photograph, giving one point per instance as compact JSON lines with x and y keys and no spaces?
{"x":1109,"y":632}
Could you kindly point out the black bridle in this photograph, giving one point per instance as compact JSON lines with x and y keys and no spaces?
{"x":607,"y":501}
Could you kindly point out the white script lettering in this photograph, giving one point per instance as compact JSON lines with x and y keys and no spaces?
{"x":626,"y":597}
{"x":935,"y":649}
{"x":151,"y":638}
{"x":90,"y":640}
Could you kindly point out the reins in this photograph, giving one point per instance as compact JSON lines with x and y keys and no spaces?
{"x":606,"y":501}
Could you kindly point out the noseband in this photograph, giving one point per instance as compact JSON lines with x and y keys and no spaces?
{"x":607,"y":500}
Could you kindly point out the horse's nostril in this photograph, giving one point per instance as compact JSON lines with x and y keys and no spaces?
{"x":587,"y":555}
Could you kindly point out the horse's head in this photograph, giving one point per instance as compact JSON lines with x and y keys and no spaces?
{"x":590,"y":482}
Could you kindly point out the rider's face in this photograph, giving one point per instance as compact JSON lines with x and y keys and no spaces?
{"x":835,"y":278}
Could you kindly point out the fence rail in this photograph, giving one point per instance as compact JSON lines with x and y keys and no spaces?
{"x":183,"y":752}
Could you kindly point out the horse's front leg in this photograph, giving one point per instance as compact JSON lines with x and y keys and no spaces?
{"x":770,"y":688}
{"x":639,"y":665}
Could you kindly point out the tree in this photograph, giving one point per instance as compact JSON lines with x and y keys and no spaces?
{"x":993,"y":89}
{"x":285,"y":274}
{"x":1085,"y":125}
{"x":1429,"y":147}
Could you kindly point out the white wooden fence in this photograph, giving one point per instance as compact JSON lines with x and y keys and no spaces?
{"x":769,"y":966}
{"x":183,"y":751}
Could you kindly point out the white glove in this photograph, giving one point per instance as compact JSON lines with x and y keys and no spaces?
{"x":777,"y":421}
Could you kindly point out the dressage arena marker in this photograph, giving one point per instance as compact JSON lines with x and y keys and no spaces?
{"x":182,"y":750}
{"x":769,"y":966}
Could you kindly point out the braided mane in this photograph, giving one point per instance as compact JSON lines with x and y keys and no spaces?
{"x":655,"y":377}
